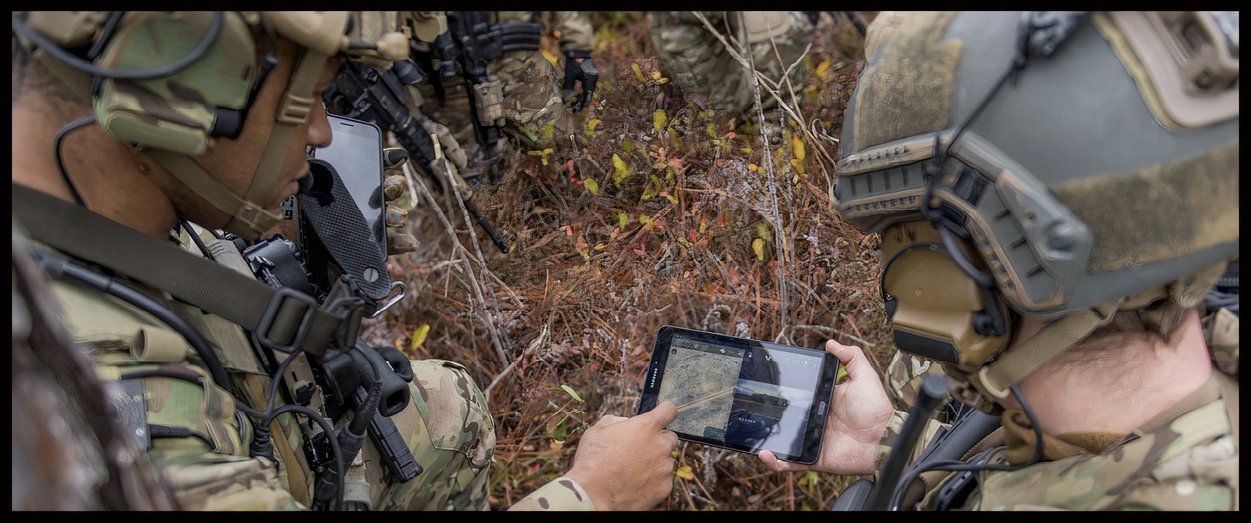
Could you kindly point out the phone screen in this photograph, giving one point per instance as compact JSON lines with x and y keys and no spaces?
{"x":355,"y":151}
{"x":742,"y":394}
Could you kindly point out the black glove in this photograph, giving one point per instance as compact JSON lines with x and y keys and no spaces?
{"x":578,"y":68}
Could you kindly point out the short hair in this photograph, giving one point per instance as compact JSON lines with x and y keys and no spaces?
{"x":1133,"y":336}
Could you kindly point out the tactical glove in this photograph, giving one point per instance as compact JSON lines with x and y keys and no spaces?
{"x":395,"y":187}
{"x":579,"y":68}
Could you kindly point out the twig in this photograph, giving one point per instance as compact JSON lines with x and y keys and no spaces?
{"x":501,"y":335}
{"x":832,"y":330}
{"x":778,"y":241}
{"x":474,"y":284}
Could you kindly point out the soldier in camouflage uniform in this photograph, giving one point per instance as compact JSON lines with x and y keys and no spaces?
{"x":532,"y":96}
{"x":708,"y":73}
{"x":1059,"y":289}
{"x":159,"y":153}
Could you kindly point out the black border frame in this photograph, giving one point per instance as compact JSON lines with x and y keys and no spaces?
{"x":817,"y":416}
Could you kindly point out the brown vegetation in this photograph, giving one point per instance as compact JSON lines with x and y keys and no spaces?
{"x":605,"y":251}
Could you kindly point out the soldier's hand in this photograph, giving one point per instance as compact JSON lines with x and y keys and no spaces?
{"x":579,"y":68}
{"x":626,"y":463}
{"x":395,"y":188}
{"x":859,"y":410}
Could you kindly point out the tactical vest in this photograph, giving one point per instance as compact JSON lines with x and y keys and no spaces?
{"x":166,"y":399}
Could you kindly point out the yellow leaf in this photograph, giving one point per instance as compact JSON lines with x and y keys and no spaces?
{"x":638,"y":72}
{"x":419,"y":336}
{"x":590,"y":126}
{"x":747,"y":150}
{"x":658,"y":119}
{"x":673,"y":137}
{"x":797,"y":146}
{"x":550,"y":57}
{"x":711,"y":133}
{"x":763,"y":232}
{"x":619,"y":170}
{"x":684,"y":472}
{"x":622,"y":219}
{"x":645,"y":220}
{"x":546,"y":132}
{"x":599,"y":246}
{"x":658,"y":78}
{"x":707,"y":113}
{"x":591,"y":185}
{"x":757,"y":246}
{"x":671,"y":198}
{"x":703,"y":226}
{"x":627,"y":146}
{"x":753,"y":167}
{"x":797,"y":165}
{"x":823,"y":68}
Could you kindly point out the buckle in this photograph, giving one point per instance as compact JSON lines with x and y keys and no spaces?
{"x":271,"y":312}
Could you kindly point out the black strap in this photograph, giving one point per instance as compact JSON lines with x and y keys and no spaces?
{"x":282,"y":319}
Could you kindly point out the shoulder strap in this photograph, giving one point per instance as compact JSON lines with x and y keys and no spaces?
{"x":282,"y":319}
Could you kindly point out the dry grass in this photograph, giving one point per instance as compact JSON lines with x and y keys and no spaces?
{"x":581,"y":297}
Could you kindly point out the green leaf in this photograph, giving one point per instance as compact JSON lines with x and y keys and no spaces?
{"x":591,"y":185}
{"x":622,"y":219}
{"x":419,"y":336}
{"x":757,"y":246}
{"x":658,"y":119}
{"x":619,"y":170}
{"x":572,"y":393}
{"x":842,"y":372}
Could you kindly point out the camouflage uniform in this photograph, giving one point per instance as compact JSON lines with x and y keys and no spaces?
{"x":927,"y":73}
{"x":709,"y":75}
{"x":531,"y":84}
{"x":1186,"y":458}
{"x":198,"y":441}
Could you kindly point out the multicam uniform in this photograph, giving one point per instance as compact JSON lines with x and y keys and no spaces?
{"x":198,"y":440}
{"x":922,"y":76}
{"x":700,"y":64}
{"x":531,"y":84}
{"x":1186,"y":458}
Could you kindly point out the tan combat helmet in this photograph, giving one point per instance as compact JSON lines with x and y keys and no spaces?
{"x":172,"y":82}
{"x":1062,"y":165}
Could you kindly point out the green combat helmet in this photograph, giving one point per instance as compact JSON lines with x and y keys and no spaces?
{"x":1061,"y":165}
{"x":172,"y":82}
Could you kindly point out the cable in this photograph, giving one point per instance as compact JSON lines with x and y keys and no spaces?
{"x":60,"y":164}
{"x":215,"y":29}
{"x":959,"y":466}
{"x":330,"y":435}
{"x":195,"y":237}
{"x":63,"y":267}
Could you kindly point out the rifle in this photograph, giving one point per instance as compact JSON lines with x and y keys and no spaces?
{"x":469,"y":43}
{"x":364,"y":93}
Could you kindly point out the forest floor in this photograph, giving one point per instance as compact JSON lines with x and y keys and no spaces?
{"x":663,"y":214}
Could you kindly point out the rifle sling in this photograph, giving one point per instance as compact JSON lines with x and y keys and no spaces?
{"x":281,"y":318}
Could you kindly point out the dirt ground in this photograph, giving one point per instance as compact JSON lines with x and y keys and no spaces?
{"x":646,"y":219}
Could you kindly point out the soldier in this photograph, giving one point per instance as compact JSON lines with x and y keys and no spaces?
{"x":1059,"y":287}
{"x":707,"y":72}
{"x":532,"y":88}
{"x":206,"y":118}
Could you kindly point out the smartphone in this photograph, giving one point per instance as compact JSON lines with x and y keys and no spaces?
{"x":355,"y":151}
{"x":742,"y":394}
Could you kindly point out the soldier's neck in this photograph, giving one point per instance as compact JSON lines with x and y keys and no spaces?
{"x":110,"y":179}
{"x":1125,"y":396}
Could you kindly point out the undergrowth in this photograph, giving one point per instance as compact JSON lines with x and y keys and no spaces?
{"x":650,"y":211}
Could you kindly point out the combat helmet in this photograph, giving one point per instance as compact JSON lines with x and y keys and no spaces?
{"x":1060,"y":165}
{"x":170,"y":83}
